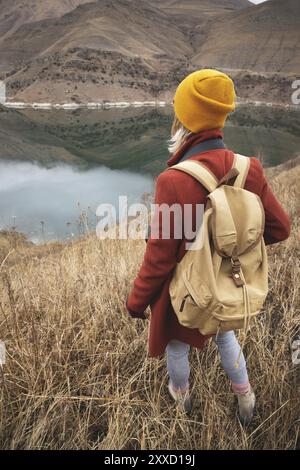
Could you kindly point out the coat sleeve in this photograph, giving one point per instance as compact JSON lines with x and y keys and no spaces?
{"x":277,"y":221}
{"x":161,"y":252}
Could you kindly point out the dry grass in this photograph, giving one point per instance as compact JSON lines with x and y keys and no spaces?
{"x":77,"y":373}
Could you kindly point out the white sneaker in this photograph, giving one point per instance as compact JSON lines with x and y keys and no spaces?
{"x":246,"y":404}
{"x":182,"y":399}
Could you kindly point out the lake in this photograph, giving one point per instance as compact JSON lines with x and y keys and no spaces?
{"x":57,"y":166}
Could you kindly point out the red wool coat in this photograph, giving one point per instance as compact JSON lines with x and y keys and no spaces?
{"x":151,"y":286}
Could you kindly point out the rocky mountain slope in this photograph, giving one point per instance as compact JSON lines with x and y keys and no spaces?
{"x":15,"y":13}
{"x":102,"y":49}
{"x":118,"y":50}
{"x":131,"y":28}
{"x":265,"y":38}
{"x":189,"y":13}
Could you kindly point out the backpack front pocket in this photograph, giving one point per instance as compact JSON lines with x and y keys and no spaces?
{"x":191,"y":307}
{"x":202,"y":297}
{"x":189,"y":312}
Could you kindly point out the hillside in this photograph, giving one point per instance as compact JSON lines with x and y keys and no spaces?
{"x":86,"y":137}
{"x":265,"y":38}
{"x":123,"y":26}
{"x":189,"y":13}
{"x":126,"y":50}
{"x":77,"y":375}
{"x":15,"y":13}
{"x":95,"y":50}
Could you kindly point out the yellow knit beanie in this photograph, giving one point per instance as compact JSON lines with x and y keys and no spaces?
{"x":204,"y":99}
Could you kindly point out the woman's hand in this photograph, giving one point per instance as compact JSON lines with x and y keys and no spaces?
{"x":141,"y":315}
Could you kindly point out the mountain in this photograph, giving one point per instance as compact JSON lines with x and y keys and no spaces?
{"x":133,"y":28}
{"x":15,"y":13}
{"x":265,"y":38}
{"x":115,"y":50}
{"x":188,"y":13}
{"x":101,"y":49}
{"x":209,"y":7}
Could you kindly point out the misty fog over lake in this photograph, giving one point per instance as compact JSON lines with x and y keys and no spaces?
{"x":50,"y":203}
{"x":56,"y":165}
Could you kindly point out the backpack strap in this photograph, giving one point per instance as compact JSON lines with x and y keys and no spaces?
{"x":199,"y":172}
{"x":224,"y":231}
{"x":242,"y":164}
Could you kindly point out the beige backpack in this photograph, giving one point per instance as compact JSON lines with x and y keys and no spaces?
{"x":222,"y":280}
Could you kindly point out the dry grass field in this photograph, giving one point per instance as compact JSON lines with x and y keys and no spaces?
{"x":77,"y":374}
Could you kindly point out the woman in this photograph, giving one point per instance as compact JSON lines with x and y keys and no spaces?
{"x":202,"y":103}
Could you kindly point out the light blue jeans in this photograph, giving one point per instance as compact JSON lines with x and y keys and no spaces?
{"x":229,"y":349}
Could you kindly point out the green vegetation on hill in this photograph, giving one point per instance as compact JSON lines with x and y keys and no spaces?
{"x":135,"y":138}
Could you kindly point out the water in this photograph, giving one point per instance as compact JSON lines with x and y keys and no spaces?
{"x":61,"y":202}
{"x":57,"y":166}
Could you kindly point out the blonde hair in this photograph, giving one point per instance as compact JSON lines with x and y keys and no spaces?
{"x":179,"y":134}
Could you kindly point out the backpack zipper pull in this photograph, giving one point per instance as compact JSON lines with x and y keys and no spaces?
{"x":183,"y":302}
